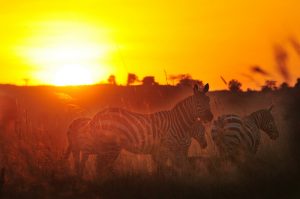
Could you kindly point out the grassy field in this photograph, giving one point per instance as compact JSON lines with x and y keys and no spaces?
{"x":32,"y":146}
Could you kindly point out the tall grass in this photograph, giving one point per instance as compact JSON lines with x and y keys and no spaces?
{"x":32,"y":151}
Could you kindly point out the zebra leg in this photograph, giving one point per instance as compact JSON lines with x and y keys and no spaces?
{"x":84,"y":158}
{"x":166,"y":162}
{"x":160,"y":159}
{"x":76,"y":157}
{"x":179,"y":162}
{"x":105,"y":162}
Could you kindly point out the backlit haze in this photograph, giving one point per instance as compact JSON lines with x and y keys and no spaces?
{"x":83,"y":42}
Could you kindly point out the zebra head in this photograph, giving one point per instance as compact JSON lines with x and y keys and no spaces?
{"x":201,"y":104}
{"x":198,"y":133}
{"x":268,"y":123}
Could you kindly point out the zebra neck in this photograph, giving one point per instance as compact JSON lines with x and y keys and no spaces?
{"x":256,"y":118}
{"x":183,"y":115}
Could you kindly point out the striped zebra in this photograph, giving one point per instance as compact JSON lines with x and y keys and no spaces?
{"x":79,"y":139}
{"x":176,"y":151}
{"x":114,"y":129}
{"x":79,"y":143}
{"x":238,"y":137}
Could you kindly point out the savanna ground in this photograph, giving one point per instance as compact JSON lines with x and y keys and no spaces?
{"x":33,"y":144}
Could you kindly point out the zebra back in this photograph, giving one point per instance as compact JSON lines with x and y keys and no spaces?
{"x":231,"y":137}
{"x":265,"y":121}
{"x":233,"y":134}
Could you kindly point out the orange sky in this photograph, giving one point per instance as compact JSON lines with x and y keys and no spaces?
{"x":44,"y":40}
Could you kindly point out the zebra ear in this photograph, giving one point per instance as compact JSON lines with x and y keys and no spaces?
{"x":196,"y":88}
{"x":206,"y":88}
{"x":271,"y":107}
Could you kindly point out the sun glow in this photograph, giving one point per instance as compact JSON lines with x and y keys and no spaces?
{"x":73,"y":54}
{"x":72,"y":75}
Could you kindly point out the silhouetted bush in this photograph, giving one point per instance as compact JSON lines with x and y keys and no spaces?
{"x":185,"y":80}
{"x":234,"y":85}
{"x":179,"y":77}
{"x":149,"y":81}
{"x":297,"y":85}
{"x":112,"y":80}
{"x":190,"y":82}
{"x":284,"y":86}
{"x":131,"y":78}
{"x":270,"y":85}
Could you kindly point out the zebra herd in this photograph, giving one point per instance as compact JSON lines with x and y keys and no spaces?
{"x":165,"y":135}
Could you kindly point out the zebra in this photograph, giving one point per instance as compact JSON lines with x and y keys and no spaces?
{"x":79,"y":143}
{"x":238,"y":138}
{"x":79,"y":139}
{"x":114,"y":129}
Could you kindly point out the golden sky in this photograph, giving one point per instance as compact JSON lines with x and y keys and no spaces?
{"x":71,"y":42}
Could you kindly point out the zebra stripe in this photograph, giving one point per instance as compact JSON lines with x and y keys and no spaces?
{"x":141,"y":133}
{"x":113,"y":129}
{"x":233,"y":134}
{"x":78,"y":142}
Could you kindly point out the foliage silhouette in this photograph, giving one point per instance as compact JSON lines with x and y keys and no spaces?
{"x":112,"y":80}
{"x":234,"y":85}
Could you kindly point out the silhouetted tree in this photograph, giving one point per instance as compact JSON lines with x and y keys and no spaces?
{"x":269,"y":85}
{"x":234,"y":85}
{"x":284,"y":86}
{"x":185,"y":80}
{"x":297,"y":85}
{"x":190,"y":82}
{"x":131,"y":78}
{"x":177,"y":78}
{"x":149,"y":81}
{"x":112,"y":80}
{"x":26,"y":81}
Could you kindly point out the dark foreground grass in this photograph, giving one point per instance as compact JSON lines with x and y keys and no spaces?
{"x":267,"y":184}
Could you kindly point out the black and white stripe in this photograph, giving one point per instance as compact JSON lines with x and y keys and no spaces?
{"x":235,"y":135}
{"x":80,"y":142}
{"x":114,"y":129}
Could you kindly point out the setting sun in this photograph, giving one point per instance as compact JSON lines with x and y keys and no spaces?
{"x":70,"y":63}
{"x":73,"y":75}
{"x":73,"y":54}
